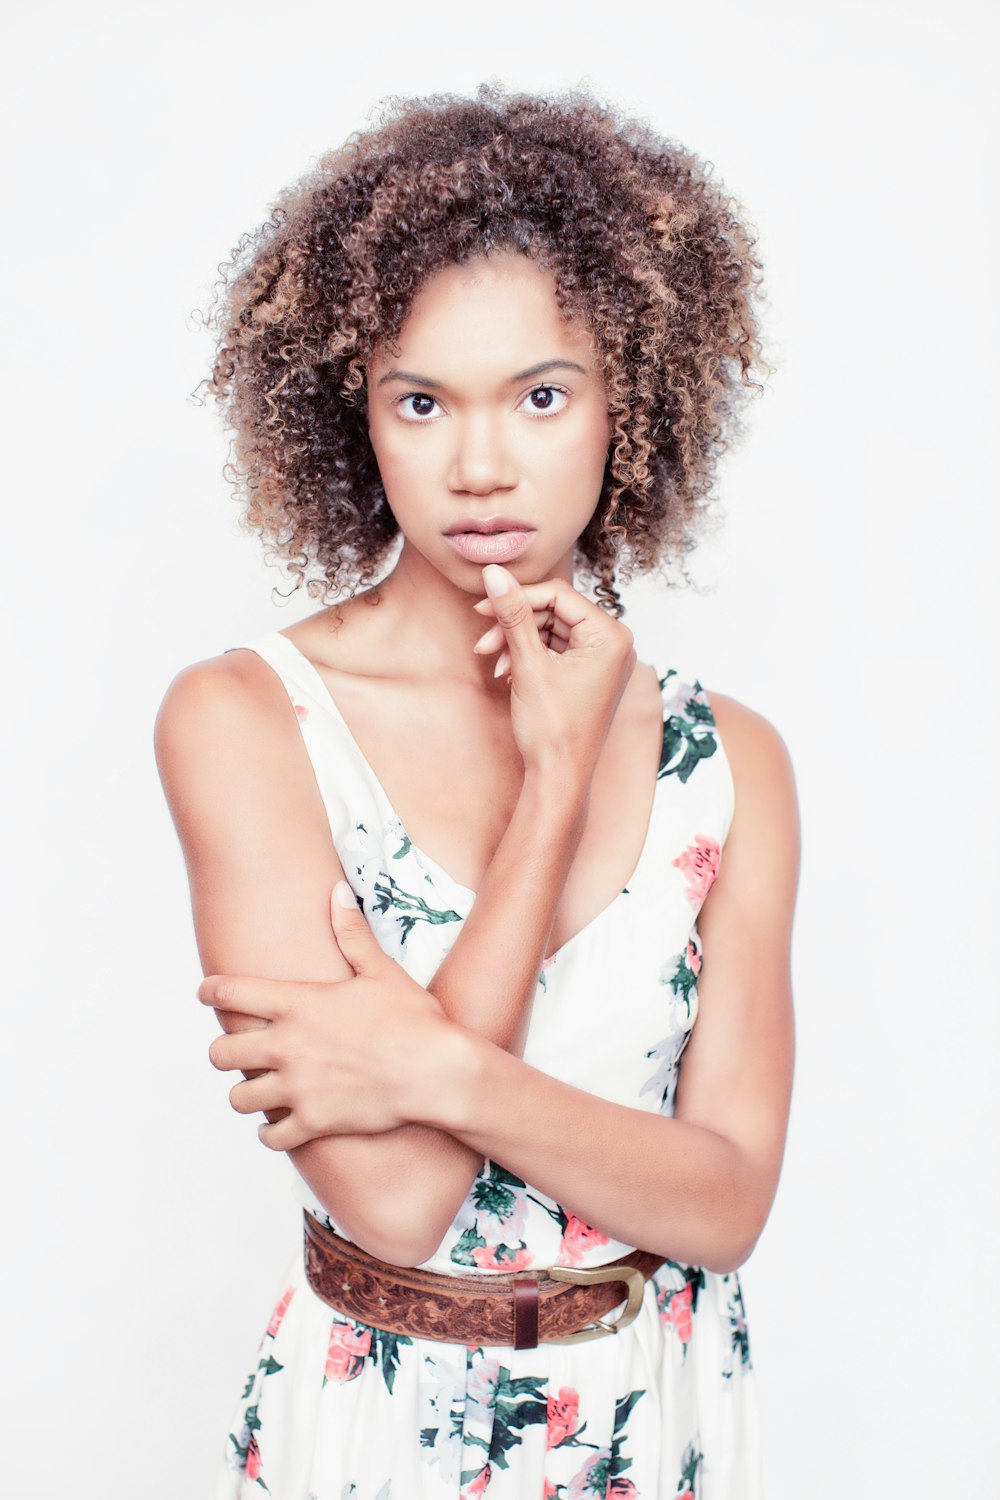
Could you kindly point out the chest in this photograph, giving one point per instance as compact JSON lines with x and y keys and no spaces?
{"x":452,"y":772}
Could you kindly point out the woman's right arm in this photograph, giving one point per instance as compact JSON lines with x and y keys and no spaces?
{"x":261,"y":865}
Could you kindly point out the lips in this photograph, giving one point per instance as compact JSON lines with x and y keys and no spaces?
{"x":489,"y":526}
{"x":498,"y":539}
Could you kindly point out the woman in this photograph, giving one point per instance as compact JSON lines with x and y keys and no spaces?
{"x":456,"y":853}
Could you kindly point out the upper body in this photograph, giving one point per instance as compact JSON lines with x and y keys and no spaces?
{"x":489,"y":404}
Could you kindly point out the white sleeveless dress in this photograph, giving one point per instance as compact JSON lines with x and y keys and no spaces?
{"x":334,"y":1409}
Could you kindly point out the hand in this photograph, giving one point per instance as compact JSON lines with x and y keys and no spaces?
{"x":344,"y":1058}
{"x":564,"y":690}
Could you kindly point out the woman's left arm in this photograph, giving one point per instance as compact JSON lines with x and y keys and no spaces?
{"x":697,"y":1187}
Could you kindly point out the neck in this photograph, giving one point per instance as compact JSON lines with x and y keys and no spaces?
{"x":428,"y":626}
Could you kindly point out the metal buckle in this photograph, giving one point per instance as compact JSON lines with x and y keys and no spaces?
{"x":589,"y":1276}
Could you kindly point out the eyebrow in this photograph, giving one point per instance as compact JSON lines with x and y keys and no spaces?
{"x":435,"y":385}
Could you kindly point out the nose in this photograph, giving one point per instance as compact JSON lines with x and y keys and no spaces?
{"x":481,"y":461}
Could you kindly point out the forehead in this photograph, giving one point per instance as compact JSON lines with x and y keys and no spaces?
{"x":498,"y":311}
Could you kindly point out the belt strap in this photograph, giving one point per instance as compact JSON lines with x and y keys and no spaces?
{"x":519,"y":1310}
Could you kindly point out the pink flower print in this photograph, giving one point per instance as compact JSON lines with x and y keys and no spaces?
{"x":300,"y":709}
{"x":485,"y":1257}
{"x":620,"y":1488}
{"x":478,"y":1486}
{"x":346,"y":1353}
{"x":481,"y":1386}
{"x":694,"y":960}
{"x":577,"y":1238}
{"x":700,"y":865}
{"x":550,"y":1492}
{"x":279,"y":1312}
{"x":562,"y":1416}
{"x":676,"y":1313}
{"x":253,"y":1460}
{"x":546,"y":964}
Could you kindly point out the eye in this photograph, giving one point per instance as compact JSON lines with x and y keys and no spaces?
{"x":415,"y":406}
{"x":546,"y":400}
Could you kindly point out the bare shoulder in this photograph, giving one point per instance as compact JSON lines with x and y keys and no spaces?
{"x":216,"y":701}
{"x":766,"y":810}
{"x":754,"y":747}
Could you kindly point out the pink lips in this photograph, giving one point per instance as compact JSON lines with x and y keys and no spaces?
{"x":489,"y":539}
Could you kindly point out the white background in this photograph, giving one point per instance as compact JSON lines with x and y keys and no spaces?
{"x":848,"y":598}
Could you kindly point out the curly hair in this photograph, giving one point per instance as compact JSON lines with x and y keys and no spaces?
{"x":643,"y":247}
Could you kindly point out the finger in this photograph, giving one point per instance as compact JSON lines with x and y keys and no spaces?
{"x":491,"y":641}
{"x":554,"y":594}
{"x":246,"y":1050}
{"x":549,"y":628}
{"x":255,"y":1094}
{"x":269,"y":998}
{"x":355,"y":938}
{"x":515,"y":614}
{"x":283,"y":1135}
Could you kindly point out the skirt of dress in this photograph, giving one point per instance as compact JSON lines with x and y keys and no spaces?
{"x":334,"y":1409}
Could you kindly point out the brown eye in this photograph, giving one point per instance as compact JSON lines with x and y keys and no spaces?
{"x":416,"y":404}
{"x":546,"y":400}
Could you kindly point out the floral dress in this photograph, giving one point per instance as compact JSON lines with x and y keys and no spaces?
{"x":333,"y":1409}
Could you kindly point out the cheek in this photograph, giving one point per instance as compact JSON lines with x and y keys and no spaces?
{"x":578,"y":459}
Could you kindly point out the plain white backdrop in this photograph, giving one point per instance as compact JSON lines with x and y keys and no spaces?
{"x":849,"y":597}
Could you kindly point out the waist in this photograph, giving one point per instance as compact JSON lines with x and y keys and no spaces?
{"x":556,"y":1305}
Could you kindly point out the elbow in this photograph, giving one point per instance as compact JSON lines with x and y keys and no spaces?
{"x":737,"y":1234}
{"x":396,"y":1238}
{"x":729,"y":1255}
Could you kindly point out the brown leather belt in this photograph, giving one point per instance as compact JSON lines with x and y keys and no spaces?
{"x":560,"y":1305}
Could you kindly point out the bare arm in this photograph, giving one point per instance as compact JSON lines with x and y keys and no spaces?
{"x":261,"y":867}
{"x":697,"y":1187}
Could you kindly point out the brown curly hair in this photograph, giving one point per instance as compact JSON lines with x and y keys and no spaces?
{"x":643,"y":248}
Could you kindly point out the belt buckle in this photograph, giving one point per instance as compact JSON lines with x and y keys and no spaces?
{"x":590,"y":1276}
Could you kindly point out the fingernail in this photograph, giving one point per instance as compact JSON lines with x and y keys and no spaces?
{"x":344,"y":895}
{"x":503,"y":664}
{"x":496,"y":580}
{"x":480,"y":644}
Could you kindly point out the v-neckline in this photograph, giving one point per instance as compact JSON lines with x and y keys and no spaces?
{"x":327,"y":699}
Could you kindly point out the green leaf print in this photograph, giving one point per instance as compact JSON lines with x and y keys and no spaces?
{"x":689,"y":733}
{"x":385,"y":1349}
{"x":684,"y":979}
{"x":738,"y":1332}
{"x":517,"y":1403}
{"x":414,"y":909}
{"x":624,"y":1407}
{"x":493,"y":1198}
{"x":461,"y":1251}
{"x":691,"y":1459}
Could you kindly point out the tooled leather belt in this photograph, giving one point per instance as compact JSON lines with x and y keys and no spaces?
{"x":559,"y":1305}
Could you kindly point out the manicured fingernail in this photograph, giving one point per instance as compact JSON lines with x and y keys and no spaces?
{"x":503,"y":664}
{"x":490,"y":635}
{"x":345,"y":896}
{"x":496,"y":580}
